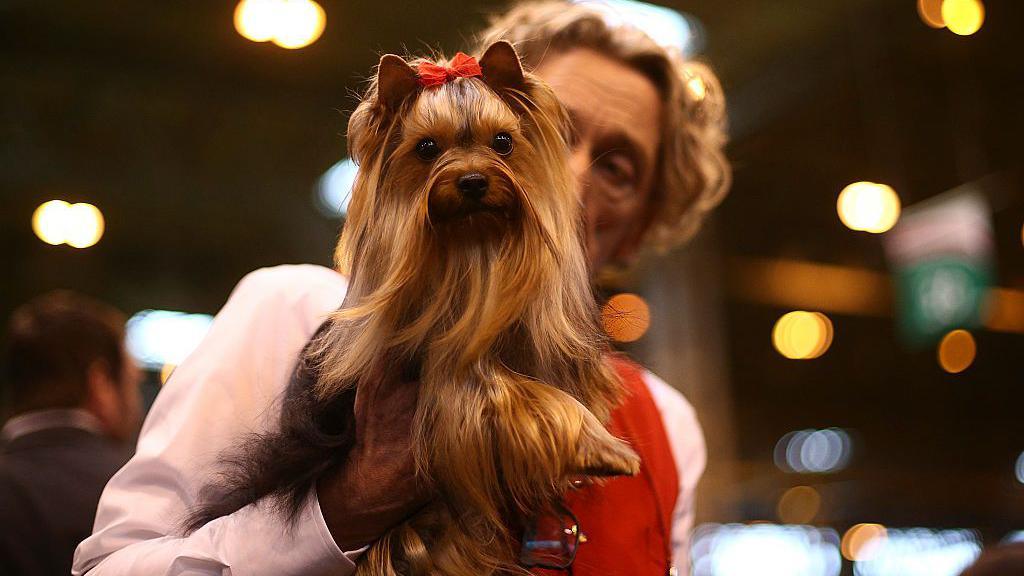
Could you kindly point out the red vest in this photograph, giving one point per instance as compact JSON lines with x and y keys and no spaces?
{"x":628,"y":521}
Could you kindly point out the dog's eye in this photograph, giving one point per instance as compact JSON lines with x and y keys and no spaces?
{"x":502,"y":143}
{"x":427,"y":149}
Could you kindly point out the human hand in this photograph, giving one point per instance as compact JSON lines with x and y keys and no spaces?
{"x":376,"y":488}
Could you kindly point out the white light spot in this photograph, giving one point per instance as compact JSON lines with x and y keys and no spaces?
{"x":668,"y":28}
{"x":765,"y":550}
{"x":921,"y":552}
{"x":334,"y":189}
{"x":156,"y":338}
{"x":814,"y":451}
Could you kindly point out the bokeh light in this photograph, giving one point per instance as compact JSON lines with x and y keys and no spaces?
{"x":931,"y":13}
{"x":1018,"y":469}
{"x":290,"y":24}
{"x":157,"y":338}
{"x":625,"y":317}
{"x":84,"y":225}
{"x":78,"y":225}
{"x":863,"y":542}
{"x":300,"y":23}
{"x":799,"y":505}
{"x":802,"y":335}
{"x":868,"y":207}
{"x":667,"y":27}
{"x":764,"y":550}
{"x":696,"y":86}
{"x":333,"y":190}
{"x":814,"y":451}
{"x":963,"y":17}
{"x":48,"y":221}
{"x":256,"y":19}
{"x":914,"y":551}
{"x":957,"y":351}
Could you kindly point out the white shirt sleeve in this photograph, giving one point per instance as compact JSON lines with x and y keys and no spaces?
{"x":690,"y":453}
{"x":227,"y":388}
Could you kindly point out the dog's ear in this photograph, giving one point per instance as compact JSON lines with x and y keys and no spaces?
{"x":501,"y":67}
{"x":396,"y":80}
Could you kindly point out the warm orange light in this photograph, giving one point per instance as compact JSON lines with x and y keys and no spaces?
{"x":695,"y":84}
{"x":85,"y":225}
{"x":300,"y":23}
{"x":49,"y":221}
{"x":863,"y":542}
{"x":957,"y":351}
{"x":802,"y":335}
{"x":256,"y":19}
{"x":799,"y":505}
{"x":625,"y":317}
{"x":869,"y":207}
{"x":288,"y":23}
{"x":79,"y":225}
{"x":963,"y":17}
{"x":931,"y":13}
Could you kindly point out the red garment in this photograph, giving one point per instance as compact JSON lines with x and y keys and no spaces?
{"x":628,"y":521}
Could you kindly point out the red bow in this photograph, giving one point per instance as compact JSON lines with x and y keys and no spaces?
{"x":462,"y":66}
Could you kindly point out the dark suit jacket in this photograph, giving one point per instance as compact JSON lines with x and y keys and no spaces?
{"x":50,"y":484}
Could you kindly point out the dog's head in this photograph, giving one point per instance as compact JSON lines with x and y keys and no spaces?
{"x":465,"y":158}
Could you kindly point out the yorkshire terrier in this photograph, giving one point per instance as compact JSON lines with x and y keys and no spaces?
{"x":464,"y":251}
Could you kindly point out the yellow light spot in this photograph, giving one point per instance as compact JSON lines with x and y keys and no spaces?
{"x":300,"y":23}
{"x":957,"y":351}
{"x":625,"y":317}
{"x":288,"y":23}
{"x":963,"y":17}
{"x":257,"y":19}
{"x":78,"y":225}
{"x":869,"y":207}
{"x":166,"y":371}
{"x":48,"y":221}
{"x":863,"y":542}
{"x":799,"y":505}
{"x":931,"y":13}
{"x":802,"y":335}
{"x":695,"y":84}
{"x":85,"y":225}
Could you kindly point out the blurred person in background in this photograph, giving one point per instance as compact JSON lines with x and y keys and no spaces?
{"x":72,"y":396}
{"x":648,"y":160}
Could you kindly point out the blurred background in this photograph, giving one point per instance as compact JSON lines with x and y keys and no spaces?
{"x":848,"y":325}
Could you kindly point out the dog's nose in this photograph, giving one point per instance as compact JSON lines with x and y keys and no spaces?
{"x":473,"y":185}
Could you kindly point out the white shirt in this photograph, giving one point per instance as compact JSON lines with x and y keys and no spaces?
{"x":231,"y":386}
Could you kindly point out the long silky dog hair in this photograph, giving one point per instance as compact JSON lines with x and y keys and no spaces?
{"x":479,"y":292}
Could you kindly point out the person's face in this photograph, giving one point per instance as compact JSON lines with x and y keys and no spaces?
{"x":616,"y":115}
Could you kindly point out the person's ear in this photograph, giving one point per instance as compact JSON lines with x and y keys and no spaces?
{"x":103,"y":398}
{"x":501,"y":67}
{"x":396,"y":80}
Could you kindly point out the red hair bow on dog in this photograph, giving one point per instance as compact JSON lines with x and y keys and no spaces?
{"x":462,"y":66}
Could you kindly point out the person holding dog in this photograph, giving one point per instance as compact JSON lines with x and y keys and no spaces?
{"x":648,"y":163}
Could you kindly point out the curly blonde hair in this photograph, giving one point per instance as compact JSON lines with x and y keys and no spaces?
{"x":693,"y":172}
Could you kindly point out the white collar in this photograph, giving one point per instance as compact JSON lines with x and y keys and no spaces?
{"x":36,"y":420}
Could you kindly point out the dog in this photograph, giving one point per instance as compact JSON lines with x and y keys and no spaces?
{"x":467,"y":271}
